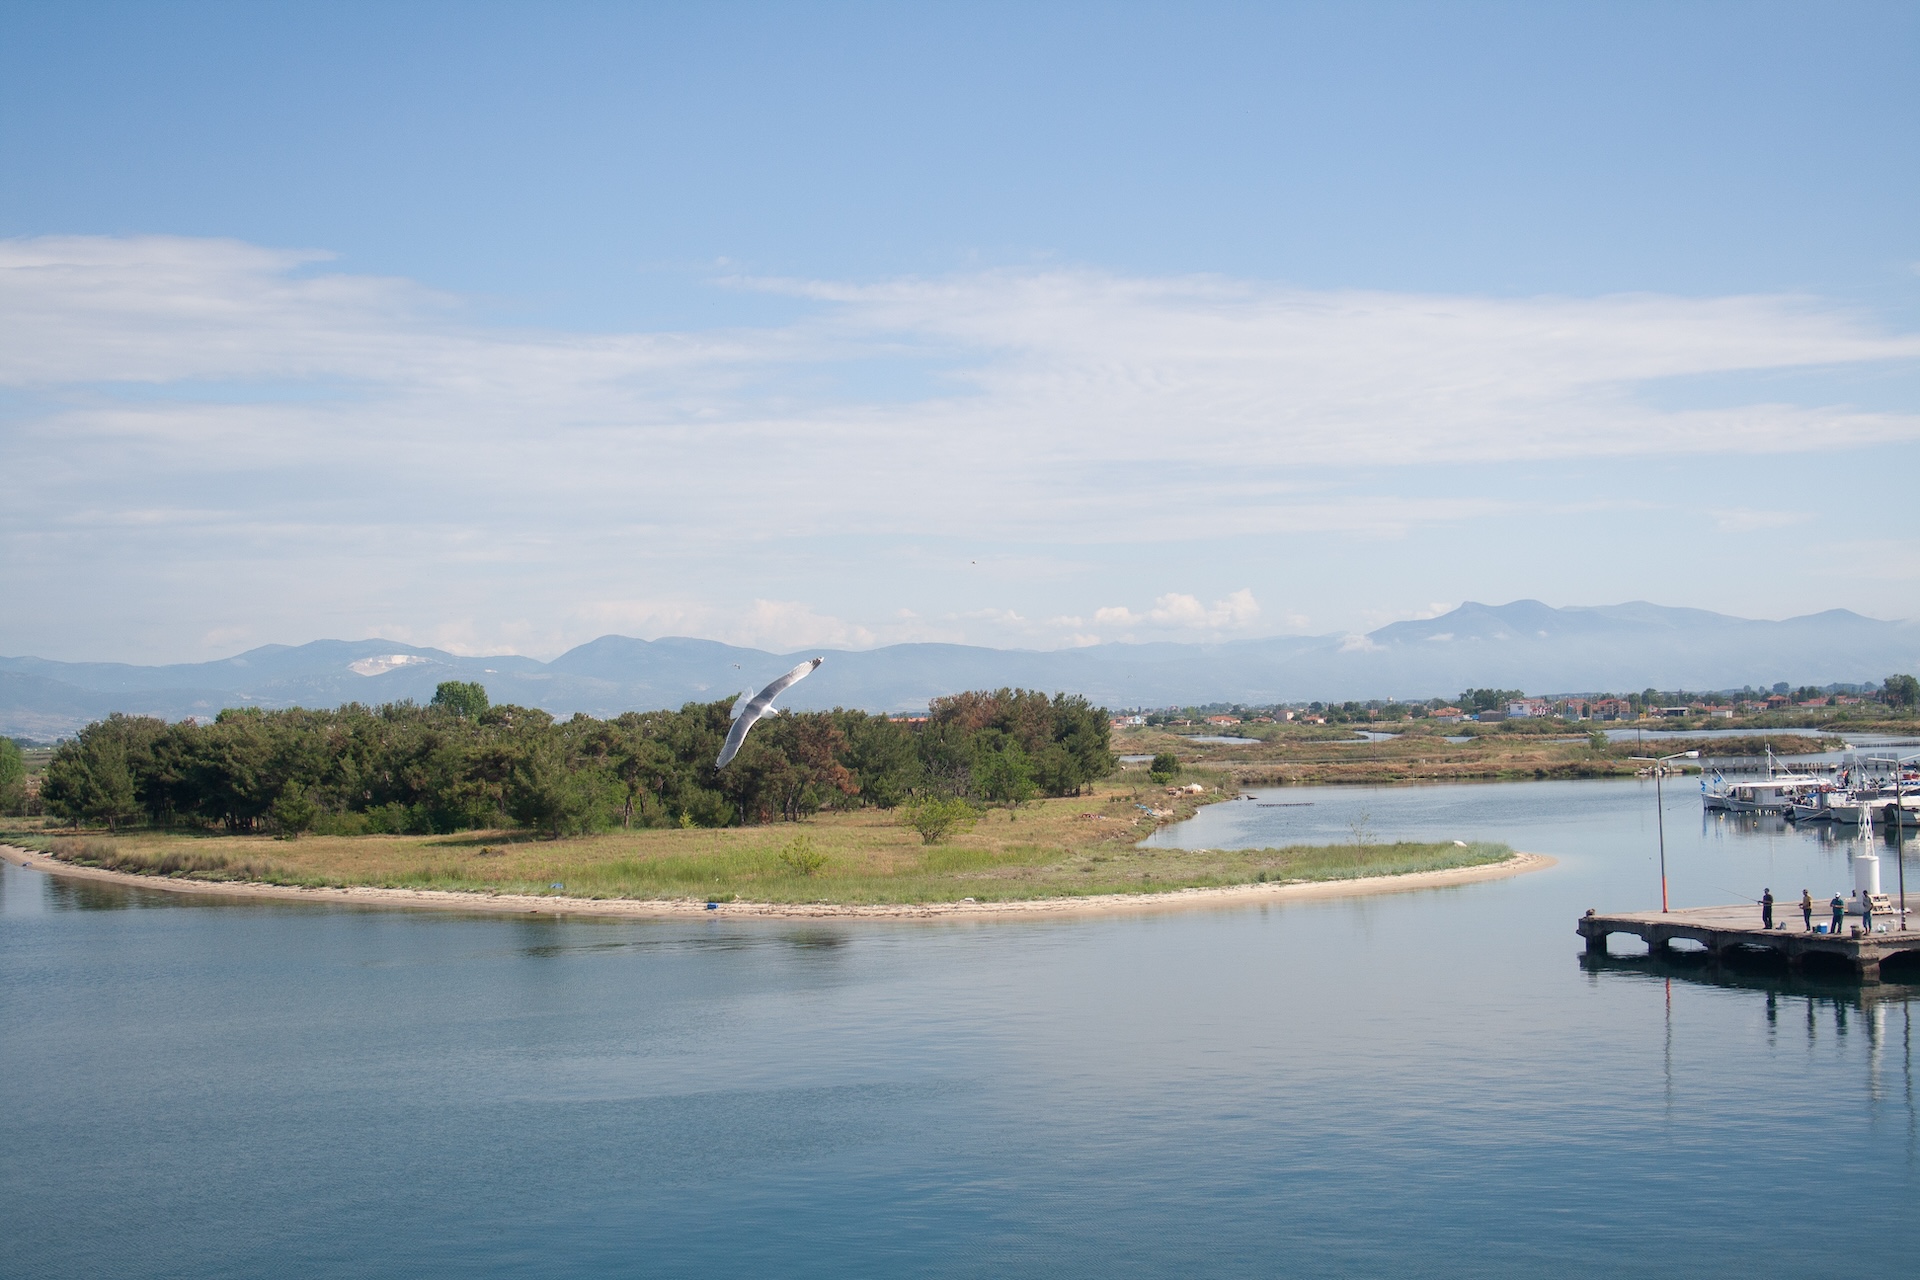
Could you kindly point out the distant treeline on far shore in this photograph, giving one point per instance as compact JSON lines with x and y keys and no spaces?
{"x":461,"y":764}
{"x":1898,"y":693}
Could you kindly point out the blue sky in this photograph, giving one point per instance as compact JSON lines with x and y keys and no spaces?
{"x":502,"y":327}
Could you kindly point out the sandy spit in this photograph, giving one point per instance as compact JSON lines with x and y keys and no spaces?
{"x":667,"y":908}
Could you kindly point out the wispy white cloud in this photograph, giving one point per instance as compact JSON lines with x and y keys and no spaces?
{"x":1075,"y":375}
{"x":266,"y":403}
{"x":1178,"y":612}
{"x":1746,"y":519}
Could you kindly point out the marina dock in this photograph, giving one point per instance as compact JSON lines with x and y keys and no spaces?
{"x":1726,"y":931}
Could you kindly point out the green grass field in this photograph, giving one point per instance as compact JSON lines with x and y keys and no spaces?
{"x":1052,"y":848}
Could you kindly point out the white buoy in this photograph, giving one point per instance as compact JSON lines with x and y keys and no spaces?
{"x":1866,"y":872}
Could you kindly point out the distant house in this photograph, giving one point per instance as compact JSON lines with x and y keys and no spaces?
{"x":1283,"y":716}
{"x":1447,"y":715}
{"x":1491,"y":717}
{"x":1223,"y":719}
{"x":1573,"y":708}
{"x":1129,"y":722}
{"x":1777,"y":701}
{"x":1528,"y":708}
{"x":1611,"y":709}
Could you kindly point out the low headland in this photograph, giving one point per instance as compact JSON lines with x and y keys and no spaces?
{"x":1076,"y":853}
{"x":996,"y":798}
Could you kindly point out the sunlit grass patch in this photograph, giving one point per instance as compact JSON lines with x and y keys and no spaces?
{"x":187,"y":861}
{"x":1068,"y":847}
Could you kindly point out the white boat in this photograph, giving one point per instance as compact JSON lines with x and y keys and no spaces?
{"x":1856,"y":808}
{"x":1776,"y":793}
{"x":1906,"y":808}
{"x":1815,"y":805}
{"x":1894,"y":798}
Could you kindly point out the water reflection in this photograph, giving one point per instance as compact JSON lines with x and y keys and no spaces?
{"x":1192,"y":1092}
{"x":1764,"y":972}
{"x":1818,"y":1009}
{"x":815,"y":939}
{"x":89,"y":895}
{"x":1717,"y":823}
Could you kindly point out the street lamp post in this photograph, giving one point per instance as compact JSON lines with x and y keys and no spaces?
{"x":1659,"y":764}
{"x":1899,"y":831}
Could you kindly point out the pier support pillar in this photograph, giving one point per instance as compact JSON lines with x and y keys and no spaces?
{"x":1596,"y":944}
{"x":1869,"y":970}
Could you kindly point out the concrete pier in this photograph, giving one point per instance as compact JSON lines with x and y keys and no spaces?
{"x":1725,"y":930}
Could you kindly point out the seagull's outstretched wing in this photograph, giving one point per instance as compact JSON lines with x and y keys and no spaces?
{"x":758,"y":707}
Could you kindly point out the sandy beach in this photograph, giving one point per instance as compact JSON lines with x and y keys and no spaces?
{"x":667,"y":908}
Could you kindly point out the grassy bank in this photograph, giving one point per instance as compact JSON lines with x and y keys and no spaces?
{"x":1055,"y":848}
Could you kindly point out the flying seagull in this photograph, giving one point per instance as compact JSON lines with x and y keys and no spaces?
{"x":762,"y":702}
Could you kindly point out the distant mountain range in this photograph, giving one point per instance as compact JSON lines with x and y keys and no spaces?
{"x":1524,"y":645}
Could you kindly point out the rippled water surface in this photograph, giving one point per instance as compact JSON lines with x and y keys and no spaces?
{"x":1428,"y":1083}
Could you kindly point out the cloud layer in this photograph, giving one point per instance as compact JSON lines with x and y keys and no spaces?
{"x":206,"y":401}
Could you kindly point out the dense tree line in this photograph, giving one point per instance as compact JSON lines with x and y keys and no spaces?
{"x":459,"y":764}
{"x":13,"y":778}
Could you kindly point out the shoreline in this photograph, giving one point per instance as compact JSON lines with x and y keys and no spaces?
{"x":677,"y":908}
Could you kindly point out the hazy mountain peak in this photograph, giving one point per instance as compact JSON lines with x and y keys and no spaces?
{"x":1521,"y":644}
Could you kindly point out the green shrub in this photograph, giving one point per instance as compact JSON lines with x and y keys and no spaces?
{"x":800,"y":857}
{"x":397,"y":819}
{"x":937,"y":818}
{"x":339,"y":824}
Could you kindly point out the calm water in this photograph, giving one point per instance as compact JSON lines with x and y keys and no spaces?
{"x":1420,"y":1084}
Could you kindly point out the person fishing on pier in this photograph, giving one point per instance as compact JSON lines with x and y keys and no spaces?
{"x":1839,"y":905}
{"x":1766,"y":908}
{"x":1806,"y":909}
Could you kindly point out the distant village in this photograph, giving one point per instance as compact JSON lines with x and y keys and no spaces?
{"x":1488,"y":706}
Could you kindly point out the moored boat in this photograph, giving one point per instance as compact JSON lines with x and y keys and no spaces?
{"x":1776,"y":793}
